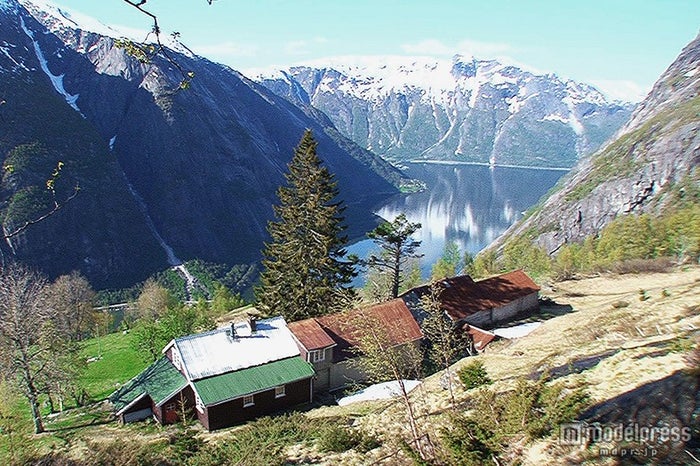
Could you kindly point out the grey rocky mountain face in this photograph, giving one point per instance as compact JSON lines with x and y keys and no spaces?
{"x":193,"y":170}
{"x":481,"y":111}
{"x":640,"y":171}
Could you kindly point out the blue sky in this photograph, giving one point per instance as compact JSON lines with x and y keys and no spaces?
{"x":621,"y":46}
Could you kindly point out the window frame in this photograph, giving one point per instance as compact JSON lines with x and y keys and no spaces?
{"x":280,"y":391}
{"x":198,"y":402}
{"x":248,"y":401}
{"x":317,"y":355}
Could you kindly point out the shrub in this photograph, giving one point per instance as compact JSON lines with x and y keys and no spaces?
{"x":338,"y":439}
{"x":532,"y":410}
{"x":620,"y":304}
{"x":467,"y":443}
{"x":473,"y":375}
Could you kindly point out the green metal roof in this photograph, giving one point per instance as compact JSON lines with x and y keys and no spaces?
{"x":159,"y":381}
{"x":220,"y":388}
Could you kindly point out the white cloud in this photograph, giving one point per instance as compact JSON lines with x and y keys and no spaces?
{"x":428,"y":47}
{"x":303,"y":47}
{"x":483,"y":49}
{"x":225,"y":49}
{"x":620,"y":89}
{"x":468,"y":48}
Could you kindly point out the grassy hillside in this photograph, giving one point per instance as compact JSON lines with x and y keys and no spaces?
{"x":623,"y":339}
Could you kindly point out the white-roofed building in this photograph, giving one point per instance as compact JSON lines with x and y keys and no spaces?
{"x":228,"y":375}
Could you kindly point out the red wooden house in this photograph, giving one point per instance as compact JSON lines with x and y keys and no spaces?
{"x":224,"y":377}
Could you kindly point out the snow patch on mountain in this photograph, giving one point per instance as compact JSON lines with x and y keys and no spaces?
{"x":463,"y":109}
{"x":58,"y":19}
{"x":6,"y":48}
{"x":56,"y":80}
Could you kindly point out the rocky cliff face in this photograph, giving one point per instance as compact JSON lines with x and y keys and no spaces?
{"x":191,"y":173}
{"x":651,"y":157}
{"x":465,"y":110}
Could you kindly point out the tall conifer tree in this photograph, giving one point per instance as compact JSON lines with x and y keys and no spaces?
{"x":305,"y":271}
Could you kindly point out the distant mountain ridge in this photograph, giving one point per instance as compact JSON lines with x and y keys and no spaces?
{"x":646,"y":168}
{"x":163,"y":173}
{"x":469,"y":110}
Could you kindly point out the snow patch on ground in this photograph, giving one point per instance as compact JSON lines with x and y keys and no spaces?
{"x":380,"y":391}
{"x":518,"y":331}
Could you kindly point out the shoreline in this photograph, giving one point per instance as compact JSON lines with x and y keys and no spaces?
{"x":484,"y":164}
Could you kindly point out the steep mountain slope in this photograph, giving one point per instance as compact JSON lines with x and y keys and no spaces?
{"x":646,"y":168}
{"x":101,"y":231}
{"x":464,"y":110}
{"x":198,"y":168}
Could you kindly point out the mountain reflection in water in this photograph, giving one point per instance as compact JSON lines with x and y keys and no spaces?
{"x":470,"y":205}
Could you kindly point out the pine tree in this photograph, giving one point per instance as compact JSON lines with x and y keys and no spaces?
{"x":397,"y":248}
{"x":306,"y":273}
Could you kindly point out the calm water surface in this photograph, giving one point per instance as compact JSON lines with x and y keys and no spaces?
{"x":469,"y":204}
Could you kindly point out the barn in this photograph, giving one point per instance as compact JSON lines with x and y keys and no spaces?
{"x":485,"y":303}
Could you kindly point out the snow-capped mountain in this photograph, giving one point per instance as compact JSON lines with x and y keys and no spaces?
{"x":164,"y":174}
{"x":409,"y":108}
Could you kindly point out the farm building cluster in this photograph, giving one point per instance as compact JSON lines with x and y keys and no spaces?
{"x":256,"y":367}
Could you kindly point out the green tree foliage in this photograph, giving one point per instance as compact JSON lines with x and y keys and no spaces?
{"x":397,"y":248}
{"x":306,"y":272}
{"x":448,"y":264}
{"x":500,"y":420}
{"x":523,"y":254}
{"x":485,"y":264}
{"x":625,"y":241}
{"x":223,"y":300}
{"x":16,"y":443}
{"x":151,"y":335}
{"x":474,"y":375}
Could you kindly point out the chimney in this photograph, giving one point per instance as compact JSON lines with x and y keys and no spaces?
{"x":253,"y":323}
{"x":232,"y":331}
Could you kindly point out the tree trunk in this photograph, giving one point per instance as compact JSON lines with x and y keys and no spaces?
{"x":411,"y":416}
{"x":36,"y":413}
{"x":396,"y":274}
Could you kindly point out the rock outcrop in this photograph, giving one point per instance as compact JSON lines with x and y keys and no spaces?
{"x":637,"y":171}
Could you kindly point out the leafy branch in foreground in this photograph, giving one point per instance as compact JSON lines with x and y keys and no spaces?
{"x":51,"y":187}
{"x":145,"y":53}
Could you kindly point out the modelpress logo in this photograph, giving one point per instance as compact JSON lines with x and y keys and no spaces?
{"x":649,"y":437}
{"x":572,"y":433}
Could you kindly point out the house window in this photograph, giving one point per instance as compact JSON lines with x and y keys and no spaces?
{"x":198,"y":402}
{"x":248,"y":400}
{"x":170,"y":407}
{"x":280,"y":391}
{"x":317,"y":355}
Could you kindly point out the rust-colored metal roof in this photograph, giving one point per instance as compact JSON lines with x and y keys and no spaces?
{"x":398,"y":325}
{"x":461,"y":296}
{"x":310,"y":334}
{"x":480,"y":337}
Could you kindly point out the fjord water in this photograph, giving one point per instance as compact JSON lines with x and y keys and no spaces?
{"x":470,"y":205}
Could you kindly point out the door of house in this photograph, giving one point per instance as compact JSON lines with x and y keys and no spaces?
{"x":170,"y":414}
